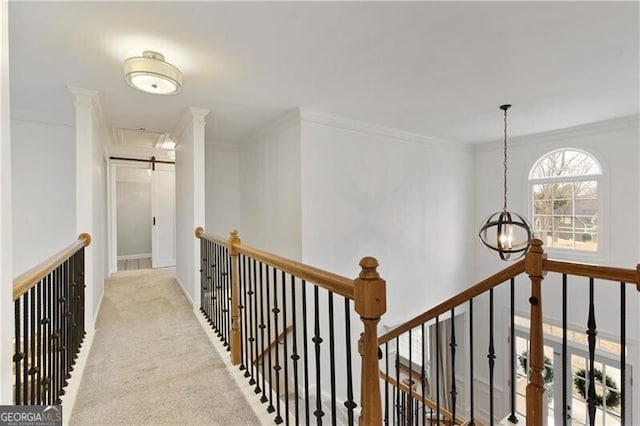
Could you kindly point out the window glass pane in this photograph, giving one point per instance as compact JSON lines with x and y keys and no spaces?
{"x":565,"y":163}
{"x":565,"y":213}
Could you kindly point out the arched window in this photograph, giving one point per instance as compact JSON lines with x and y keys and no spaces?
{"x":565,"y":192}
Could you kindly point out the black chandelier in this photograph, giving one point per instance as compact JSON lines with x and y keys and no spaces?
{"x":506,"y":232}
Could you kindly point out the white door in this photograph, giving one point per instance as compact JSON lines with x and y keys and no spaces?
{"x":163,"y":236}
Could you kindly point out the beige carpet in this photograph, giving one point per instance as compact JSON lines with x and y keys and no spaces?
{"x":151,"y":363}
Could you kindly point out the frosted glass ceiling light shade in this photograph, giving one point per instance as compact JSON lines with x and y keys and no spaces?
{"x":151,"y":74}
{"x":505,"y":232}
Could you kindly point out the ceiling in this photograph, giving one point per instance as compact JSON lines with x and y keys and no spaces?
{"x":434,"y":68}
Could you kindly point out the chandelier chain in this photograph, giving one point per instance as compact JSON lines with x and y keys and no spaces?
{"x":505,"y":160}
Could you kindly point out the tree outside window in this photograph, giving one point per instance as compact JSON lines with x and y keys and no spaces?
{"x":565,"y":206}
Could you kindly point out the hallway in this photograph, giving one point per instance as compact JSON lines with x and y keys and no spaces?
{"x":152,"y":363}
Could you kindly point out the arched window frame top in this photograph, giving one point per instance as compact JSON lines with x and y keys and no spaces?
{"x":597,"y":172}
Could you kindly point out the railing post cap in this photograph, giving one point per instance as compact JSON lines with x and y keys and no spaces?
{"x":86,"y":237}
{"x":536,"y":245}
{"x":369,"y":267}
{"x":199,"y":231}
{"x":234,"y":233}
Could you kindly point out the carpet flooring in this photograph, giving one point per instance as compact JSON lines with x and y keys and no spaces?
{"x":151,"y":362}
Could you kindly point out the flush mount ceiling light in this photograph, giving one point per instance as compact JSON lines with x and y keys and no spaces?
{"x":506,"y":232}
{"x":151,"y":74}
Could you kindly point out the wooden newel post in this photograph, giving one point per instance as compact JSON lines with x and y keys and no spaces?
{"x":536,"y":400}
{"x":370,"y":303}
{"x":236,"y":345}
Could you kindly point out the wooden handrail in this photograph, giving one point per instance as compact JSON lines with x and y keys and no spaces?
{"x":618,"y":275}
{"x":416,"y":395}
{"x":278,"y":339}
{"x":484,"y":285}
{"x":213,"y":238}
{"x":327,"y":280}
{"x":23,"y":282}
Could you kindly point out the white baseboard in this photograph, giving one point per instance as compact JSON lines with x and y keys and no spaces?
{"x":186,"y":293}
{"x":134,"y":256}
{"x":73,"y":386}
{"x":237,"y":375}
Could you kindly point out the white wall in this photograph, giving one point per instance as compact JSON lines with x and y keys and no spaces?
{"x":6,"y":252}
{"x":222,"y":189}
{"x":403,"y":200}
{"x":190,"y":198}
{"x":270,"y":203}
{"x":615,"y":145}
{"x":43,"y":160}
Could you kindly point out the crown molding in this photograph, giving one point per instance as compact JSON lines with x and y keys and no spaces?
{"x":319,"y":117}
{"x":90,"y":98}
{"x":285,"y":120}
{"x":588,"y":129}
{"x":191,"y":115}
{"x":42,"y":117}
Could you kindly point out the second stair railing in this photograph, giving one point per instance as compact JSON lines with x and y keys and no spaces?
{"x":289,"y":327}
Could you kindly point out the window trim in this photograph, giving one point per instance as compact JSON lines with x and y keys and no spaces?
{"x":601,"y":178}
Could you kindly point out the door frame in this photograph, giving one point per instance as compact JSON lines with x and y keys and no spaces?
{"x":112,"y":219}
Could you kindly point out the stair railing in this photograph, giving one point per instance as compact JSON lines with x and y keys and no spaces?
{"x":250,"y":297}
{"x":407,"y":383}
{"x":49,"y":325}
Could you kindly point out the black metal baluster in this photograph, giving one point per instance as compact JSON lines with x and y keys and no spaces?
{"x":623,"y":352}
{"x":423,"y":376}
{"x":285,"y":357}
{"x":591,"y":333}
{"x":565,"y":403}
{"x":82,"y":292}
{"x":210,"y":285}
{"x":409,"y":396}
{"x":491,"y":356}
{"x":246,"y":309}
{"x":203,"y":288}
{"x":332,"y":359}
{"x":66,"y":284}
{"x":218,"y":276}
{"x":270,"y":408}
{"x":386,"y":383}
{"x":471,"y":376}
{"x":397,"y":411}
{"x":512,"y":341}
{"x":49,"y":338}
{"x":277,"y":367}
{"x":305,"y":339}
{"x":349,"y":403}
{"x":227,"y":297}
{"x":250,"y":325}
{"x":317,"y":340}
{"x":254,"y":319}
{"x":261,"y":326}
{"x":438,"y":369}
{"x":39,"y":334}
{"x":294,"y":356}
{"x":55,"y":315}
{"x":17,"y":356}
{"x":242,"y":313}
{"x":25,"y":348}
{"x":32,"y":346}
{"x":453,"y":345}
